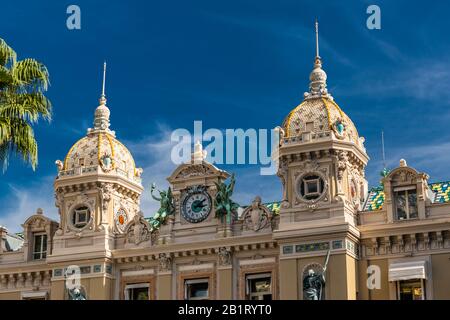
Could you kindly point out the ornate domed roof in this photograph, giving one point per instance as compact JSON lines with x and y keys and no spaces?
{"x":319,"y":115}
{"x":322,"y":117}
{"x":99,"y":151}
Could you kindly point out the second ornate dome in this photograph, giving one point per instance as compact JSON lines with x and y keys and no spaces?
{"x":319,"y":116}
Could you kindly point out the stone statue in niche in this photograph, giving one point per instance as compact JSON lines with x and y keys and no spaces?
{"x":256,"y":217}
{"x":314,"y":280}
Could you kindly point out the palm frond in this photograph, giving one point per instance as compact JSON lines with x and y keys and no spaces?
{"x":5,"y":77}
{"x":26,"y":106}
{"x":29,"y":72}
{"x":21,"y":143}
{"x":7,"y":54}
{"x":22,"y":103}
{"x":5,"y":130}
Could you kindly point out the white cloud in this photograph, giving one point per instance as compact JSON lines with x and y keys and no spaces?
{"x":22,"y":201}
{"x":153,"y":155}
{"x":422,"y":80}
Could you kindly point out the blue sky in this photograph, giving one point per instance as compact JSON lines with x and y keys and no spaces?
{"x":233,"y":64}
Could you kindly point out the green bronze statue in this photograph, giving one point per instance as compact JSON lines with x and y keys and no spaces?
{"x":167,"y":207}
{"x":314,"y":282}
{"x":225,"y":207}
{"x":76,"y":294}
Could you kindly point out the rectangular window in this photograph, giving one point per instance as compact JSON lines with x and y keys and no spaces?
{"x":40,"y":246}
{"x":312,"y":187}
{"x":81,"y":162}
{"x":196,"y":289}
{"x":81,"y":217}
{"x":137,"y":291}
{"x":411,"y":289}
{"x":259,"y":286}
{"x":406,"y":204}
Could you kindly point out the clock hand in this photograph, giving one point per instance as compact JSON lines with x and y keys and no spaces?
{"x":200,"y":204}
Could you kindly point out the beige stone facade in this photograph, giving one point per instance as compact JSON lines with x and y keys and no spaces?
{"x":389,"y":242}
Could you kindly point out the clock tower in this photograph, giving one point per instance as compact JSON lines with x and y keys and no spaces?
{"x":194,"y":190}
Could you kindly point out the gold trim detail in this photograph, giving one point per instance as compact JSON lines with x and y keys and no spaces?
{"x":70,"y":151}
{"x":328,"y":113}
{"x":289,"y":118}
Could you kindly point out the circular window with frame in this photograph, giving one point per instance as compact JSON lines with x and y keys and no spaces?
{"x":80,"y":217}
{"x":311,"y":187}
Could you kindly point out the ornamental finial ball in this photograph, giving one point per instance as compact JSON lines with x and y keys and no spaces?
{"x":403,"y":163}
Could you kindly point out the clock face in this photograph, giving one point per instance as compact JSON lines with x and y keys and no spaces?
{"x":121,"y":219}
{"x":196,"y":206}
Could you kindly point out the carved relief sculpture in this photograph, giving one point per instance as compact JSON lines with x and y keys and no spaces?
{"x":256,"y":217}
{"x":165,"y":262}
{"x":224,"y":256}
{"x":137,"y":230}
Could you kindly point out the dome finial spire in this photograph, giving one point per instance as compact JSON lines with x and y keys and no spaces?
{"x":318,"y":77}
{"x":317,"y":39}
{"x":103,"y":96}
{"x":102,"y":113}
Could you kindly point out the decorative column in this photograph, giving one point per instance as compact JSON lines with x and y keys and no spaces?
{"x":3,"y":282}
{"x":20,"y":281}
{"x":47,"y":277}
{"x":37,"y":279}
{"x":11,"y":281}
{"x":224,"y":274}
{"x":29,"y":280}
{"x":164,"y":280}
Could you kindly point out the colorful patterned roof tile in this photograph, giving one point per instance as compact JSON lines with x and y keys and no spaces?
{"x":442,"y":191}
{"x":375,"y":200}
{"x":376,"y":195}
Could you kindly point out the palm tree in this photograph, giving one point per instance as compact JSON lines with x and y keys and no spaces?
{"x":22,"y":103}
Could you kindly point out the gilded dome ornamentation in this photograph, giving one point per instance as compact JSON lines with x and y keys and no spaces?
{"x":99,"y":151}
{"x":319,"y":117}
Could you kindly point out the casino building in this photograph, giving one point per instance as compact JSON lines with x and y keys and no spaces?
{"x":391,"y":241}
